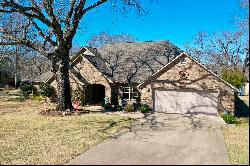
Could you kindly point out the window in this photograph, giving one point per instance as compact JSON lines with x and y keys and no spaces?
{"x":129,"y":93}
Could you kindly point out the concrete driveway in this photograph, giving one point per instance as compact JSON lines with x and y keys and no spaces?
{"x":162,"y":138}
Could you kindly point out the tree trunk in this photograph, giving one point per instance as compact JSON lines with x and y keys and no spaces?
{"x":16,"y":66}
{"x":63,"y":83}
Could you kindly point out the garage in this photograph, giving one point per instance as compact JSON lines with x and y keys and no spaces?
{"x":186,"y":101}
{"x":186,"y":86}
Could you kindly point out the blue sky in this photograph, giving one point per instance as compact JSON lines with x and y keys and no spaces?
{"x":174,"y":20}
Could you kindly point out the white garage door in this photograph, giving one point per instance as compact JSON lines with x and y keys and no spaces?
{"x":181,"y":101}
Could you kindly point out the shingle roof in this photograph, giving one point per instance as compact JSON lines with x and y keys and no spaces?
{"x":97,"y":60}
{"x":136,"y":61}
{"x":131,"y":62}
{"x":44,"y":77}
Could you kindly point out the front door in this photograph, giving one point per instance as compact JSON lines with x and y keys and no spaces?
{"x":95,"y":94}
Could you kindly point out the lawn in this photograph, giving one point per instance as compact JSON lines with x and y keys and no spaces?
{"x":29,"y":138}
{"x":237,"y":140}
{"x":237,"y":143}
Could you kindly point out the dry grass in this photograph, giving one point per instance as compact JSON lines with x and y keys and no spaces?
{"x":29,"y":138}
{"x":237,"y":143}
{"x":237,"y":139}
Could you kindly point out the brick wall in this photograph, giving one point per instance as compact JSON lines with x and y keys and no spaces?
{"x":187,"y":74}
{"x":91,"y":76}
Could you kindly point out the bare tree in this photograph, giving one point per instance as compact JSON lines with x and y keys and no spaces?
{"x":224,"y":48}
{"x":220,"y":49}
{"x":198,"y":48}
{"x":13,"y":54}
{"x":49,"y":27}
{"x":242,"y":22}
{"x":228,"y":46}
{"x":32,"y":65}
{"x":242,"y":19}
{"x":103,"y":38}
{"x":7,"y":66}
{"x":6,"y":52}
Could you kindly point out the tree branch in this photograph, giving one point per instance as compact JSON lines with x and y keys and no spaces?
{"x":48,"y":6}
{"x":17,"y":8}
{"x":40,"y":32}
{"x":76,"y":18}
{"x":33,"y":12}
{"x":94,"y":5}
{"x":79,"y":12}
{"x":69,"y":14}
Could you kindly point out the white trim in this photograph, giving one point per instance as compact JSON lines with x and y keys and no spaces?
{"x":176,"y":58}
{"x":131,"y":93}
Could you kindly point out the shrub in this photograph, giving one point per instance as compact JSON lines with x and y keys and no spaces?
{"x":107,"y":106}
{"x":234,"y":77}
{"x":136,"y":106}
{"x":26,"y":88}
{"x":144,"y":108}
{"x":37,"y":97}
{"x":79,"y":95}
{"x":118,"y":108}
{"x":229,"y":118}
{"x":46,"y":90}
{"x":129,"y":108}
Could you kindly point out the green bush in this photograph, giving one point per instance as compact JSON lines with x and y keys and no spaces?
{"x":229,"y":118}
{"x":136,"y":106}
{"x":26,"y":88}
{"x":129,"y":108}
{"x":46,"y":90}
{"x":144,"y":108}
{"x":37,"y":97}
{"x":234,"y":77}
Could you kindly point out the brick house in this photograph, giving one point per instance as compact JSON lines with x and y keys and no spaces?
{"x":156,"y":73}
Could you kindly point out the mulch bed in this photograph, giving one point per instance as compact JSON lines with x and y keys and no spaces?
{"x":53,"y":112}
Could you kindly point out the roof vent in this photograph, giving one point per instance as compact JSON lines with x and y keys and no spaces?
{"x":184,"y":61}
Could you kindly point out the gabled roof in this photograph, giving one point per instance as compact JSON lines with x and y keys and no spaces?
{"x":147,"y":81}
{"x":85,"y":53}
{"x":44,"y":77}
{"x":94,"y":57}
{"x":133,"y":62}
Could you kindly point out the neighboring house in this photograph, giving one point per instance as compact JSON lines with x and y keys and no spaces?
{"x":245,"y":87}
{"x":244,"y":90}
{"x":137,"y":72}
